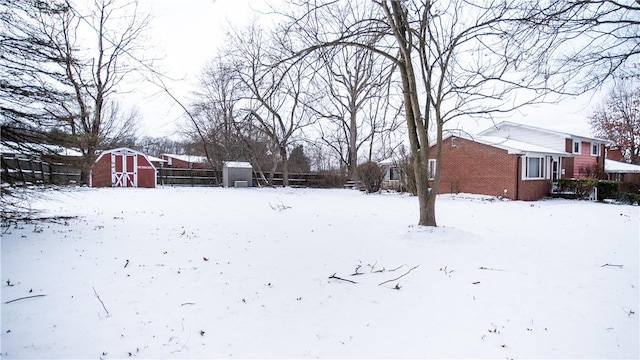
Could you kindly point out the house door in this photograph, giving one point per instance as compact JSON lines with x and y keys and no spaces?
{"x":555,"y":170}
{"x":124,"y":167}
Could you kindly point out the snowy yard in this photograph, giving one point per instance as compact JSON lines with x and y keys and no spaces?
{"x":247,"y":273}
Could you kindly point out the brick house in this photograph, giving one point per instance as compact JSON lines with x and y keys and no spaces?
{"x":515,"y":161}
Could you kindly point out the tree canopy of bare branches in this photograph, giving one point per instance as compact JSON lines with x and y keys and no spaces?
{"x":95,"y":70}
{"x":617,"y":119}
{"x":461,"y":60}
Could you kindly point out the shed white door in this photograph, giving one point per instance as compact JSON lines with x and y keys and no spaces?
{"x":124,"y":169}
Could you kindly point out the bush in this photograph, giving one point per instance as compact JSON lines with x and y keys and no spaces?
{"x":608,"y":189}
{"x":371,"y":175}
{"x":581,"y":188}
{"x":332,"y":179}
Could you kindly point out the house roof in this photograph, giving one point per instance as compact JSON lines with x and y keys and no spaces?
{"x":512,"y":146}
{"x":612,"y":166}
{"x":156,"y":159}
{"x":547,"y":131}
{"x":188,"y":158}
{"x":9,"y":147}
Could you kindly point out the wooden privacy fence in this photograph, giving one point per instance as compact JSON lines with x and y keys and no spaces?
{"x":189,"y":177}
{"x":207,"y":177}
{"x":25,"y":171}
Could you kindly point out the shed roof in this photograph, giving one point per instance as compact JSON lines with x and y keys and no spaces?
{"x":612,"y":166}
{"x":238,"y":164}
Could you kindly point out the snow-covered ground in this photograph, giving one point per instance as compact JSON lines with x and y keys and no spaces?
{"x":302,"y":273}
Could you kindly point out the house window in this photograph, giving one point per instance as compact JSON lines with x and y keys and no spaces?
{"x":394,"y":173}
{"x":533,"y":167}
{"x":595,"y":149}
{"x":454,"y":141}
{"x":432,"y":169}
{"x":576,"y":147}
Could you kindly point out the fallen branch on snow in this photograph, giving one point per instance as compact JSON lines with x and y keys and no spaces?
{"x":613,"y":265}
{"x":23,"y":298}
{"x":492,"y":269}
{"x":98,"y":296}
{"x":339,"y":278}
{"x":388,"y":281}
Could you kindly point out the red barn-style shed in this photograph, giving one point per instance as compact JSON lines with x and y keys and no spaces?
{"x":123,"y":167}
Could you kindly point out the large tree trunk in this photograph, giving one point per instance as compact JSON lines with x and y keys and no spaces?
{"x":285,"y":165}
{"x":418,"y":136}
{"x":353,"y":146}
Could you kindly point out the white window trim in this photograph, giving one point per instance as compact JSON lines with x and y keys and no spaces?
{"x":432,"y":176}
{"x":597,"y":153}
{"x":573,"y":149}
{"x":543,"y":167}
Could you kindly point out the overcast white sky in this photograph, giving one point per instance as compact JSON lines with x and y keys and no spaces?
{"x":188,"y":32}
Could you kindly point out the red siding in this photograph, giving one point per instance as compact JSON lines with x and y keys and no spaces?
{"x":101,"y":172}
{"x":583,"y":161}
{"x":145,"y":173}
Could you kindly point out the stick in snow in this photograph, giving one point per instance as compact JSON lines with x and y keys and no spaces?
{"x":339,"y":278}
{"x":98,"y":296}
{"x":620,"y":266}
{"x":384,"y":282}
{"x":23,"y":298}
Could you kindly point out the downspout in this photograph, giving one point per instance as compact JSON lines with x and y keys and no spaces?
{"x":518,"y":166}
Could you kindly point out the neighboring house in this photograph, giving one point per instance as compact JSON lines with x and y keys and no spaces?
{"x":186,"y":161}
{"x":515,"y":161}
{"x":622,"y":171}
{"x":584,"y":154}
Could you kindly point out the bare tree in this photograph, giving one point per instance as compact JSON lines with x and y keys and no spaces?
{"x":215,"y":111}
{"x":356,"y":83}
{"x":29,"y":85}
{"x":618,"y":119}
{"x":275,"y":91}
{"x":604,"y":37}
{"x":456,"y":60}
{"x":29,"y":80}
{"x":96,"y":73}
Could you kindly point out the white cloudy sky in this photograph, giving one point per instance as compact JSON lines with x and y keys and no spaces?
{"x":186,"y":33}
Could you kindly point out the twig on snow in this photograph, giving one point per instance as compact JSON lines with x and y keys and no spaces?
{"x":23,"y":298}
{"x":98,"y":296}
{"x":384,"y":282}
{"x":492,"y":269}
{"x":187,"y":303}
{"x":607,"y":264}
{"x":339,"y":278}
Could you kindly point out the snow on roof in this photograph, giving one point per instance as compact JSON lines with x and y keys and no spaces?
{"x":516,"y":147}
{"x":156,"y":159}
{"x":10,"y":147}
{"x":548,"y":131}
{"x":188,"y":158}
{"x":612,"y":166}
{"x":238,"y":164}
{"x":512,"y":146}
